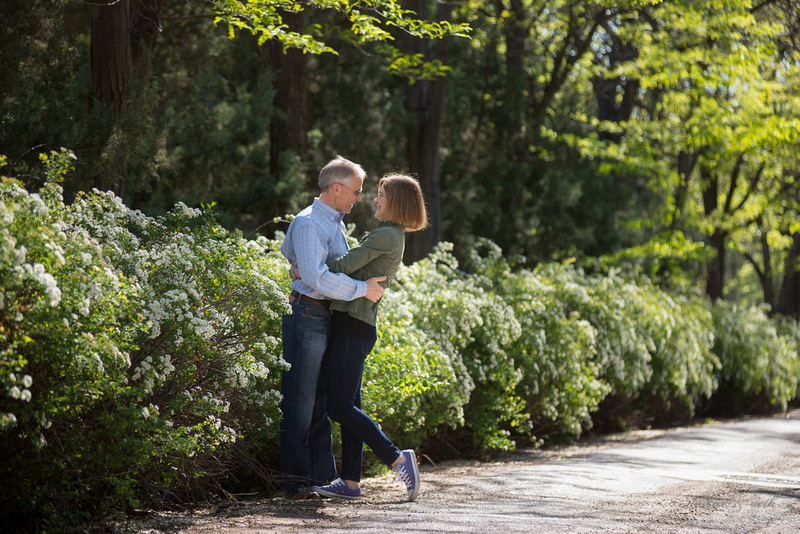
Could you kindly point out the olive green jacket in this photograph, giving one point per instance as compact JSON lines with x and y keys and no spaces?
{"x":378,"y":254}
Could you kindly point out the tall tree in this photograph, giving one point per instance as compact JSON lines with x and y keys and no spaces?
{"x":121,"y":34}
{"x":124,"y":33}
{"x":714,"y":118}
{"x":289,"y":128}
{"x":530,"y":79}
{"x":425,"y":103}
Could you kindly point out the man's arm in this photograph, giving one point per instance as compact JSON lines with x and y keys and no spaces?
{"x":374,"y":289}
{"x":310,"y":252}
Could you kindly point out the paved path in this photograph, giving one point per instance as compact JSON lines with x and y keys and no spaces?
{"x":739,"y":477}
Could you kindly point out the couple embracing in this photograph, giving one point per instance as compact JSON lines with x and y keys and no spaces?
{"x":331,"y":329}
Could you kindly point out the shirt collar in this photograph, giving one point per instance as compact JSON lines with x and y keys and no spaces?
{"x":382,"y":223}
{"x":329,"y":212}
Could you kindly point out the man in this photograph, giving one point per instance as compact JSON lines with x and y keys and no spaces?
{"x":315,"y":236}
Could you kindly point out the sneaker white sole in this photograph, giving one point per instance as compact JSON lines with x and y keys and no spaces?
{"x":333,"y":494}
{"x":415,"y":469}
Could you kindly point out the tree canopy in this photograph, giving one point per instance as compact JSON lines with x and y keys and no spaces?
{"x":655,"y":135}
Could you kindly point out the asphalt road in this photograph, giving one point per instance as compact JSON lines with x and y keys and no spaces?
{"x":734,"y":477}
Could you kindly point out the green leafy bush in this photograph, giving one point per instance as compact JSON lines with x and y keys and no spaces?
{"x":472,"y":325}
{"x":140,"y":357}
{"x":760,"y":366}
{"x":135,"y":352}
{"x":66,"y":327}
{"x":653,"y":350}
{"x":561,"y":380}
{"x":409,"y":385}
{"x":684,"y":366}
{"x":557,"y":384}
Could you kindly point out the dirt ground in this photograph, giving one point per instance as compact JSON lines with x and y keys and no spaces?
{"x":286,"y":516}
{"x":716,"y":479}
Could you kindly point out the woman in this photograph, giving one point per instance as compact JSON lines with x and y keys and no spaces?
{"x":400,"y":208}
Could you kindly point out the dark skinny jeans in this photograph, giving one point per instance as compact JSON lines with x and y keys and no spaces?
{"x":345,"y":373}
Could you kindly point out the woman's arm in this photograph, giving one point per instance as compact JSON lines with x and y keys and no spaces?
{"x":374,"y":245}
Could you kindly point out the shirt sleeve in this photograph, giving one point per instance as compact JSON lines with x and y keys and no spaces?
{"x":310,"y":256}
{"x":375,"y":244}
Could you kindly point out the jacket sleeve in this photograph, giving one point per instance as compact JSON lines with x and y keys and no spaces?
{"x":374,"y":245}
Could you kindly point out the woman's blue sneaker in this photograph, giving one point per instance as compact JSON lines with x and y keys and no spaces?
{"x":408,"y":472}
{"x":338,"y":489}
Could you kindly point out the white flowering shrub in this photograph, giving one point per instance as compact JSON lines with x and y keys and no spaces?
{"x":137,"y":355}
{"x":66,"y":331}
{"x":622,"y":348}
{"x":556,"y":351}
{"x":685,"y":367}
{"x":410,"y":386}
{"x":474,"y":328}
{"x":140,"y":357}
{"x":650,"y":348}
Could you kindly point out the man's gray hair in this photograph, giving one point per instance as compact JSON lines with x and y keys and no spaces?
{"x":339,"y":170}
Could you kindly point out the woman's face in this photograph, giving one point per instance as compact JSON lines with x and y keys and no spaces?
{"x":380,"y":203}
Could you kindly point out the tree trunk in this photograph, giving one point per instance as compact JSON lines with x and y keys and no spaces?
{"x":145,"y":27}
{"x":119,"y":38}
{"x":766,"y":274}
{"x":112,"y":72}
{"x":289,"y":127}
{"x":686,"y":164}
{"x":789,"y":301}
{"x":112,"y":56}
{"x":715,"y":278}
{"x":516,"y":137}
{"x":425,"y":103}
{"x":716,"y":266}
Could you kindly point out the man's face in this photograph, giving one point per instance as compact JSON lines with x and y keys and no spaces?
{"x":347,"y":194}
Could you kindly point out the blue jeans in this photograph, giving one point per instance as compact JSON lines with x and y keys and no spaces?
{"x":306,"y":444}
{"x":345,"y":373}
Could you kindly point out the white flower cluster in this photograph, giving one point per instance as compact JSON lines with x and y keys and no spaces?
{"x":13,"y":255}
{"x":223,"y":433}
{"x":153,"y":371}
{"x":17,"y":389}
{"x":147,"y":411}
{"x":184,"y":211}
{"x":23,"y":393}
{"x":197,"y":302}
{"x":247,"y":373}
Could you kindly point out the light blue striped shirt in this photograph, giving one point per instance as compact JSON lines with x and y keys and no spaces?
{"x":315,"y":236}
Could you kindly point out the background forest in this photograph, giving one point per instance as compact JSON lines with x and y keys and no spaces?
{"x":614,"y":232}
{"x":659,"y":131}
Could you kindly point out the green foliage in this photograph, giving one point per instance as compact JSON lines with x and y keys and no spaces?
{"x":43,"y":68}
{"x":140,"y":359}
{"x":410,"y":387}
{"x":648,"y":344}
{"x":672,"y":259}
{"x":135,"y":351}
{"x":216,"y":111}
{"x":560,"y":380}
{"x":713,"y":122}
{"x":474,"y":327}
{"x":760,"y":359}
{"x":362,"y":22}
{"x":684,"y":365}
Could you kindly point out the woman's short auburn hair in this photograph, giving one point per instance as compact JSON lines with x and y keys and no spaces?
{"x":405,"y":205}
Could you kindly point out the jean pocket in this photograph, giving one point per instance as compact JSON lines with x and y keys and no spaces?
{"x":311,"y":311}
